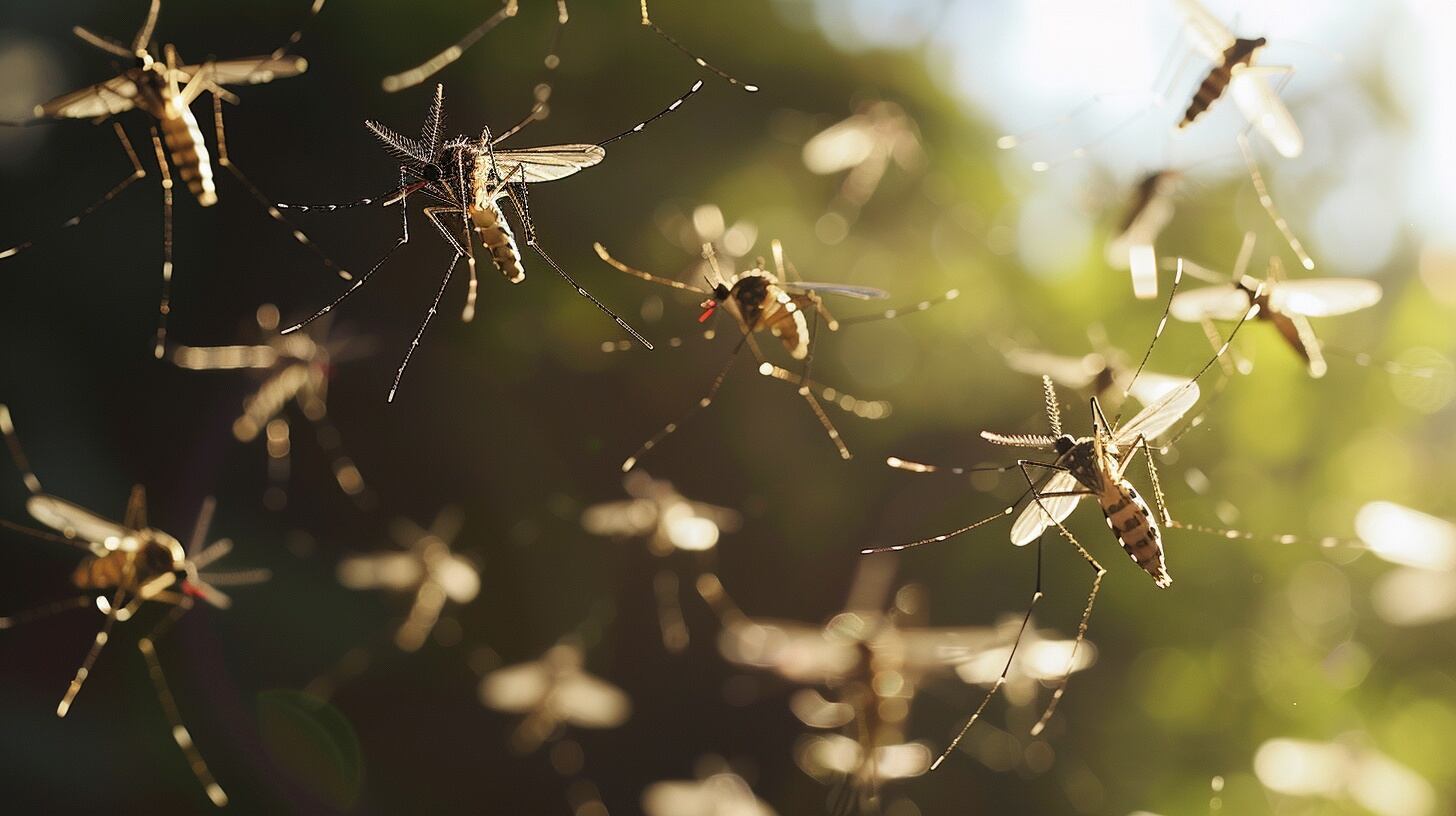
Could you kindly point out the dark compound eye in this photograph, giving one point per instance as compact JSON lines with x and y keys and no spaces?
{"x":720,"y":291}
{"x":431,"y":172}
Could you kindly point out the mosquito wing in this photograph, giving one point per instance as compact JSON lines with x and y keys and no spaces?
{"x":1033,"y":520}
{"x":856,"y":292}
{"x":1408,"y":537}
{"x":1150,"y":386}
{"x":718,"y":795}
{"x":248,"y":70}
{"x":815,"y":711}
{"x":902,"y":761}
{"x":1210,"y":303}
{"x":516,"y":689}
{"x":1069,"y":371}
{"x":928,"y":649}
{"x":74,"y":521}
{"x":633,"y":517}
{"x":1324,"y":297}
{"x":1266,"y":112}
{"x":796,"y":651}
{"x":390,"y":570}
{"x":840,"y":146}
{"x":591,"y":702}
{"x":1206,"y":33}
{"x":533,"y":164}
{"x":224,"y":357}
{"x":1155,"y":420}
{"x":115,"y":95}
{"x":458,"y":577}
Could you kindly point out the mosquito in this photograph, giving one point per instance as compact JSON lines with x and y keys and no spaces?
{"x":471,"y":178}
{"x":1285,"y":304}
{"x":297,"y":369}
{"x":669,"y":522}
{"x":1094,"y":465}
{"x":762,"y":301}
{"x":553,"y":692}
{"x":425,"y":568}
{"x":126,"y":565}
{"x":862,"y":147}
{"x":1105,"y":373}
{"x":165,"y":90}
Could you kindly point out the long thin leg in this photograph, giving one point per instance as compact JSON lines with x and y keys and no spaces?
{"x":467,"y":314}
{"x":346,"y":473}
{"x":808,"y":394}
{"x":136,"y":172}
{"x":415,"y":343}
{"x":44,"y":611}
{"x":403,"y":239}
{"x":702,"y":63}
{"x":1267,"y":202}
{"x":164,"y":308}
{"x":96,"y":646}
{"x":647,"y":276}
{"x":1036,"y":595}
{"x":12,"y":441}
{"x":862,"y":408}
{"x":1158,"y":332}
{"x":706,"y":400}
{"x":891,"y":314}
{"x":263,"y":201}
{"x":433,"y":65}
{"x":279,"y":446}
{"x":183,"y":738}
{"x":670,"y":619}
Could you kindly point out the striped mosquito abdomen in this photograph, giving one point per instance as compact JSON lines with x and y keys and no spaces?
{"x":1131,"y":520}
{"x":103,"y":572}
{"x":495,"y":233}
{"x":1213,"y":86}
{"x":183,"y":138}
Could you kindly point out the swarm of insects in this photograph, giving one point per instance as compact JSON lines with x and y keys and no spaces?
{"x":165,"y":90}
{"x":553,"y":692}
{"x":127,"y":565}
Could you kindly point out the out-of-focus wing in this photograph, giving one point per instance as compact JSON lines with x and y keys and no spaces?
{"x":798,"y":652}
{"x":516,"y":689}
{"x":549,"y":163}
{"x":1210,"y":303}
{"x":1033,"y":520}
{"x":1073,"y":372}
{"x":590,"y":702}
{"x":75,"y":521}
{"x":389,"y":570}
{"x":1408,"y":537}
{"x":222,"y":357}
{"x":248,"y":70}
{"x":719,"y":795}
{"x":1151,"y":386}
{"x":1155,"y":420}
{"x":904,"y":761}
{"x":458,"y":577}
{"x":840,"y":146}
{"x":1414,"y":597}
{"x":856,"y":292}
{"x":115,"y":95}
{"x":1266,"y":112}
{"x":634,"y":517}
{"x":1206,"y":33}
{"x":1142,"y":262}
{"x":815,"y":711}
{"x":1324,"y":297}
{"x":838,"y":755}
{"x":926,"y":649}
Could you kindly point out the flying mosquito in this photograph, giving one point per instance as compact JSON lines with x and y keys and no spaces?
{"x":878,"y":133}
{"x":669,"y":522}
{"x":128,"y":564}
{"x":762,"y":301}
{"x":471,"y":178}
{"x":425,"y":568}
{"x":553,"y":692}
{"x":1096,"y":466}
{"x":1285,"y":304}
{"x":165,"y":90}
{"x":1105,"y":373}
{"x":294,"y":368}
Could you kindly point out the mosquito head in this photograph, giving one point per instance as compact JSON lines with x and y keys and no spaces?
{"x":720,"y":293}
{"x":1064,"y":443}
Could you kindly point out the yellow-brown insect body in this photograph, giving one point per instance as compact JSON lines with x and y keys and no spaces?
{"x":164,"y":100}
{"x":136,"y":562}
{"x":758,"y":302}
{"x":491,"y":225}
{"x":1094,"y":463}
{"x":1238,"y":55}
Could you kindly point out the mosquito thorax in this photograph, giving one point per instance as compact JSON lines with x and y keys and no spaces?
{"x":1064,"y":444}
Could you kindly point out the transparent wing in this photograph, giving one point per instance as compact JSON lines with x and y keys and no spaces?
{"x":1151,"y":386}
{"x":840,"y":146}
{"x":798,"y":652}
{"x":1155,"y":420}
{"x":1033,"y":520}
{"x":249,"y":70}
{"x":115,"y":95}
{"x":1324,"y":297}
{"x":902,"y":761}
{"x":1206,"y":33}
{"x":591,"y":702}
{"x":73,"y":520}
{"x":1264,"y":109}
{"x":533,"y":164}
{"x":1069,"y":371}
{"x":857,"y":292}
{"x":928,"y":649}
{"x":620,"y":518}
{"x":221,"y":357}
{"x":516,"y":688}
{"x":391,"y":570}
{"x":1210,"y":303}
{"x":1408,"y":537}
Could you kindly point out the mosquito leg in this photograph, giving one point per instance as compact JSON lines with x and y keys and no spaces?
{"x":891,"y":314}
{"x":415,"y":343}
{"x":467,"y":314}
{"x":279,"y":445}
{"x":704,"y":402}
{"x":44,"y":611}
{"x":164,"y":308}
{"x":1231,"y":364}
{"x":183,"y":738}
{"x":1267,"y":201}
{"x":96,"y":646}
{"x":433,"y":65}
{"x":647,"y":21}
{"x":865,"y":409}
{"x":263,"y":201}
{"x":12,"y":441}
{"x":1158,"y":332}
{"x":670,"y":620}
{"x":647,"y":276}
{"x":403,"y":239}
{"x":136,"y":172}
{"x":808,"y":394}
{"x":1036,"y":595}
{"x":346,"y":474}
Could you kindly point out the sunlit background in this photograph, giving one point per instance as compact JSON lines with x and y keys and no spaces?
{"x":1282,"y":678}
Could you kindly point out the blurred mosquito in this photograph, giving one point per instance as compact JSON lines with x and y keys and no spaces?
{"x":294,"y":368}
{"x":165,"y":91}
{"x":719,"y":793}
{"x":128,"y":564}
{"x":669,"y":522}
{"x":878,"y":133}
{"x":1094,"y":465}
{"x":426,"y":568}
{"x":1423,"y":588}
{"x":509,"y":8}
{"x":762,"y":301}
{"x":1286,"y":304}
{"x":471,"y":178}
{"x":1105,"y":373}
{"x":553,"y":692}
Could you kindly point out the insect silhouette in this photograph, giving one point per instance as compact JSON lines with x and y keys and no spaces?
{"x":1285,"y":304}
{"x":296,"y":368}
{"x":1094,"y":465}
{"x":425,"y":568}
{"x":669,"y":522}
{"x":553,"y":692}
{"x":128,"y":564}
{"x":762,"y":301}
{"x":165,"y":89}
{"x":862,"y":147}
{"x":471,"y":179}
